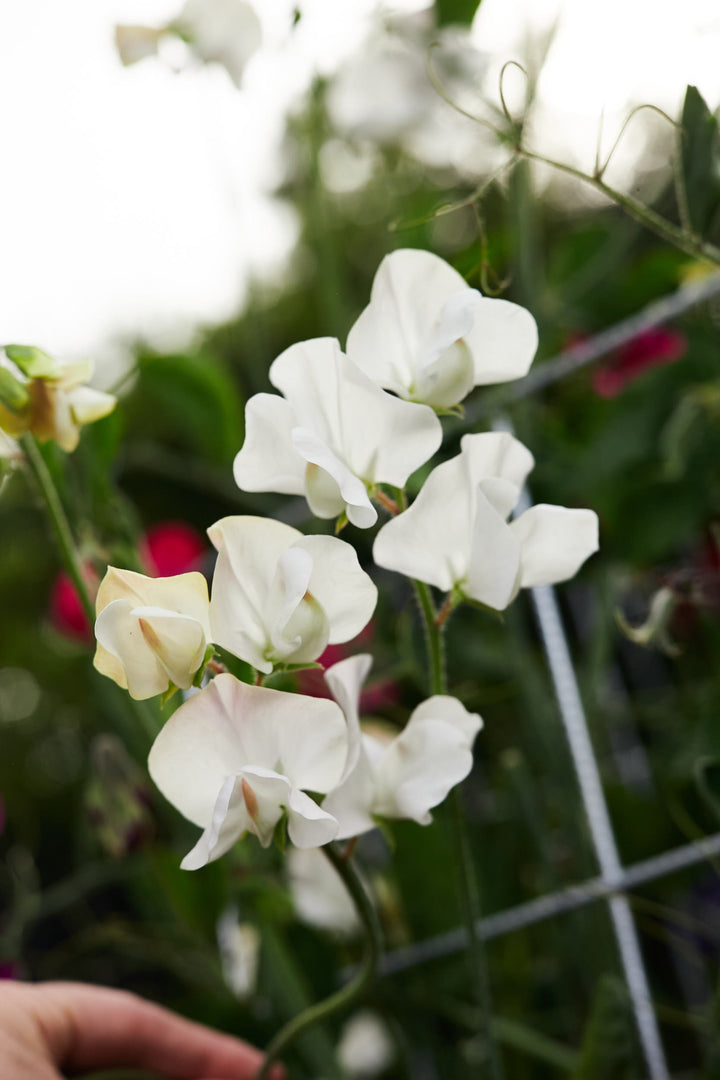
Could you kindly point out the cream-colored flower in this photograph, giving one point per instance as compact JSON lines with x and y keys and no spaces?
{"x":151,"y":631}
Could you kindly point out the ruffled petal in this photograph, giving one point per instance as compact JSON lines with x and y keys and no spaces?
{"x":496,"y":454}
{"x":494,"y":559}
{"x":228,"y":822}
{"x":345,"y":592}
{"x":503,"y":341}
{"x":554,"y":543}
{"x":268,"y":461}
{"x":322,"y":497}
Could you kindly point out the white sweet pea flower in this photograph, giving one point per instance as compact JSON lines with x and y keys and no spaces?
{"x":404,"y":776}
{"x":235,"y":758}
{"x":428,"y":337}
{"x":58,"y":402}
{"x":151,"y":631}
{"x":456,"y":535}
{"x":226,"y":32}
{"x":333,"y":435}
{"x":366,"y":1048}
{"x":239,"y":948}
{"x":319,"y":894}
{"x":281,"y":597}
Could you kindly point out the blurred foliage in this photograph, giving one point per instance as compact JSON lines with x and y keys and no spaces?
{"x":82,"y":900}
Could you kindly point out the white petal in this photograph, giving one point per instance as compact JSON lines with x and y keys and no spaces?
{"x":228,"y":822}
{"x":309,"y":825}
{"x":184,"y":593}
{"x":321,"y":499}
{"x":298,"y":625}
{"x":266,"y":794}
{"x":431,"y":541}
{"x":230,"y":726}
{"x":351,"y":802}
{"x":450,"y":711}
{"x":429,"y":757}
{"x":448,"y":380}
{"x":345,"y":680}
{"x":554,"y":543}
{"x":496,"y":454}
{"x":392,"y":335}
{"x":503,"y":341}
{"x":250,"y":549}
{"x":495,"y":557}
{"x":377,"y":438}
{"x":268,"y":461}
{"x":318,"y":892}
{"x":339,"y":584}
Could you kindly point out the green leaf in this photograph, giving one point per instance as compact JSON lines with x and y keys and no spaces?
{"x":700,"y":159}
{"x":239,"y":668}
{"x":200,"y":673}
{"x":290,"y":669}
{"x":457,"y":12}
{"x":13,"y":394}
{"x":33,"y":362}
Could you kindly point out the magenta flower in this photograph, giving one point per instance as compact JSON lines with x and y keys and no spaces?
{"x":652,"y":348}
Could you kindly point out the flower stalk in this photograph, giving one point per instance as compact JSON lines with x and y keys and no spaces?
{"x":58,"y":520}
{"x":434,"y":627}
{"x":348,"y":994}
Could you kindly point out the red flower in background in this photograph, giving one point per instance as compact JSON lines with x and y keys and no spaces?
{"x":652,"y":348}
{"x":172,"y":547}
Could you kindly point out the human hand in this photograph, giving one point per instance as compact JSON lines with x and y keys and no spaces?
{"x":49,"y":1027}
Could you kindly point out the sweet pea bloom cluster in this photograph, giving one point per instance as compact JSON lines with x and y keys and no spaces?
{"x":346,"y":430}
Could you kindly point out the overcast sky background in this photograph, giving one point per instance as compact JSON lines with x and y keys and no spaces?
{"x":135,"y":201}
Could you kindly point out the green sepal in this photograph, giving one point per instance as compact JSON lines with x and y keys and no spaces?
{"x":200,"y":673}
{"x":384,"y":826}
{"x":172,"y":689}
{"x":451,"y":410}
{"x":33,"y":362}
{"x":239,"y":668}
{"x":479,"y":606}
{"x":341,"y":523}
{"x":280,"y":836}
{"x":13,"y":394}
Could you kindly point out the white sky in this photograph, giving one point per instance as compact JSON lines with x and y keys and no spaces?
{"x":133,"y":200}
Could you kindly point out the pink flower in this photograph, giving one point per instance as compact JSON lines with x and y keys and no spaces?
{"x":169,"y":548}
{"x":653,"y":347}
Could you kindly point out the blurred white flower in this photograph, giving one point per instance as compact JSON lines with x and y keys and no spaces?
{"x":236,"y":758}
{"x":365,"y":1048}
{"x":226,"y":32}
{"x":239,"y":947}
{"x":135,"y":43}
{"x":318,"y":893}
{"x":151,"y":631}
{"x":456,"y":535}
{"x":333,"y":435}
{"x":57,"y":401}
{"x":404,"y":776}
{"x":428,"y":337}
{"x":281,"y":597}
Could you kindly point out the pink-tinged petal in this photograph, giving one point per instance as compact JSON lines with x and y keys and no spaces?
{"x":268,"y":461}
{"x":228,"y":822}
{"x":345,"y":592}
{"x":229,"y":727}
{"x":554,"y":543}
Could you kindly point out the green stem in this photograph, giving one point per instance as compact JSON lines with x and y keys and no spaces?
{"x":469,"y":892}
{"x":348,"y":994}
{"x":58,"y":520}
